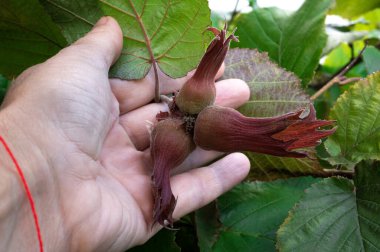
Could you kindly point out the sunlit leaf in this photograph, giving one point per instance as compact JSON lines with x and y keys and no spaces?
{"x":357,"y":114}
{"x":371,"y":20}
{"x":169,"y":33}
{"x":353,"y":8}
{"x":337,"y":59}
{"x":295,"y":41}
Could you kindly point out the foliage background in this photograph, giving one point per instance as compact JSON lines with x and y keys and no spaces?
{"x":328,"y":203}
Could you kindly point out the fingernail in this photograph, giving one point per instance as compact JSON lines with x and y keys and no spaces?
{"x":101,"y":21}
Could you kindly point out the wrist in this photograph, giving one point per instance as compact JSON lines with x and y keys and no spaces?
{"x":16,"y":214}
{"x":12,"y":199}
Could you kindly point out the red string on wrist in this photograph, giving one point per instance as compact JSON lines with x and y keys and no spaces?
{"x":28,"y":193}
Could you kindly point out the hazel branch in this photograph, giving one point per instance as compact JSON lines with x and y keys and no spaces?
{"x":345,"y":80}
{"x":339,"y":77}
{"x":334,"y":172}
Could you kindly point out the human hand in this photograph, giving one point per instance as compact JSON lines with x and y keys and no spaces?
{"x":82,"y":142}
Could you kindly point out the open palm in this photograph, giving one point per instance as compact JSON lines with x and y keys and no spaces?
{"x":92,"y":139}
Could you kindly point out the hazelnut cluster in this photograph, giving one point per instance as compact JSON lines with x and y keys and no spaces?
{"x":194,"y":120}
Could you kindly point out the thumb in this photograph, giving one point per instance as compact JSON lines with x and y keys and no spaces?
{"x":102,"y":45}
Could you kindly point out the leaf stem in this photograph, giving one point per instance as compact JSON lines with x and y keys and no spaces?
{"x":339,"y":77}
{"x":156,"y":82}
{"x":166,"y":99}
{"x":152,"y":59}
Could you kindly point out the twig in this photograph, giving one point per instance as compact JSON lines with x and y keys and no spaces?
{"x":270,"y":174}
{"x":338,"y":77}
{"x":234,"y":12}
{"x":345,"y":80}
{"x":335,"y":172}
{"x":326,"y":173}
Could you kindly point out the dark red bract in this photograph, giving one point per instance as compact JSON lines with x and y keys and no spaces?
{"x":225,"y":129}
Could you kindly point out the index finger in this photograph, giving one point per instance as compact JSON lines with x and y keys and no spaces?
{"x":136,"y":93}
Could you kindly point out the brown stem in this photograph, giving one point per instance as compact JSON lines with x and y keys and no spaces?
{"x":234,"y":12}
{"x":324,"y":88}
{"x":338,"y":77}
{"x":349,"y":80}
{"x":152,"y":59}
{"x":326,"y":173}
{"x":270,"y":174}
{"x":334,"y":172}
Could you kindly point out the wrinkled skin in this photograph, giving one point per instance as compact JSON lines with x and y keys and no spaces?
{"x":82,"y":142}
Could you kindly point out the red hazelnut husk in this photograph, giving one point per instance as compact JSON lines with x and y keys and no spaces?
{"x":170,"y":145}
{"x":194,"y":119}
{"x":199,"y":91}
{"x":227,"y":130}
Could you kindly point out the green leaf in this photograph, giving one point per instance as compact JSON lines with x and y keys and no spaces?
{"x":294,"y":41}
{"x":336,"y":215}
{"x":371,"y":20}
{"x":27,"y":36}
{"x":163,"y":241}
{"x":371,"y":58}
{"x":217,"y":20}
{"x":337,"y":59}
{"x":336,"y":37}
{"x":274,"y":91}
{"x":267,"y":167}
{"x":353,"y":8}
{"x":75,"y":18}
{"x":171,"y":34}
{"x":186,"y":236}
{"x":358,"y":133}
{"x":4,"y":84}
{"x":252,"y":3}
{"x":252,"y":212}
{"x":207,"y":225}
{"x":368,"y":204}
{"x":332,"y":64}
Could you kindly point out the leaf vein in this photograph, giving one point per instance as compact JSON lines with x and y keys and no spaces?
{"x":183,"y":34}
{"x":162,"y":20}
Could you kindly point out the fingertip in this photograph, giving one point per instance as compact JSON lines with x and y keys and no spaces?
{"x":236,"y":164}
{"x":116,"y":36}
{"x":232,"y":93}
{"x":105,"y":40}
{"x":199,"y":187}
